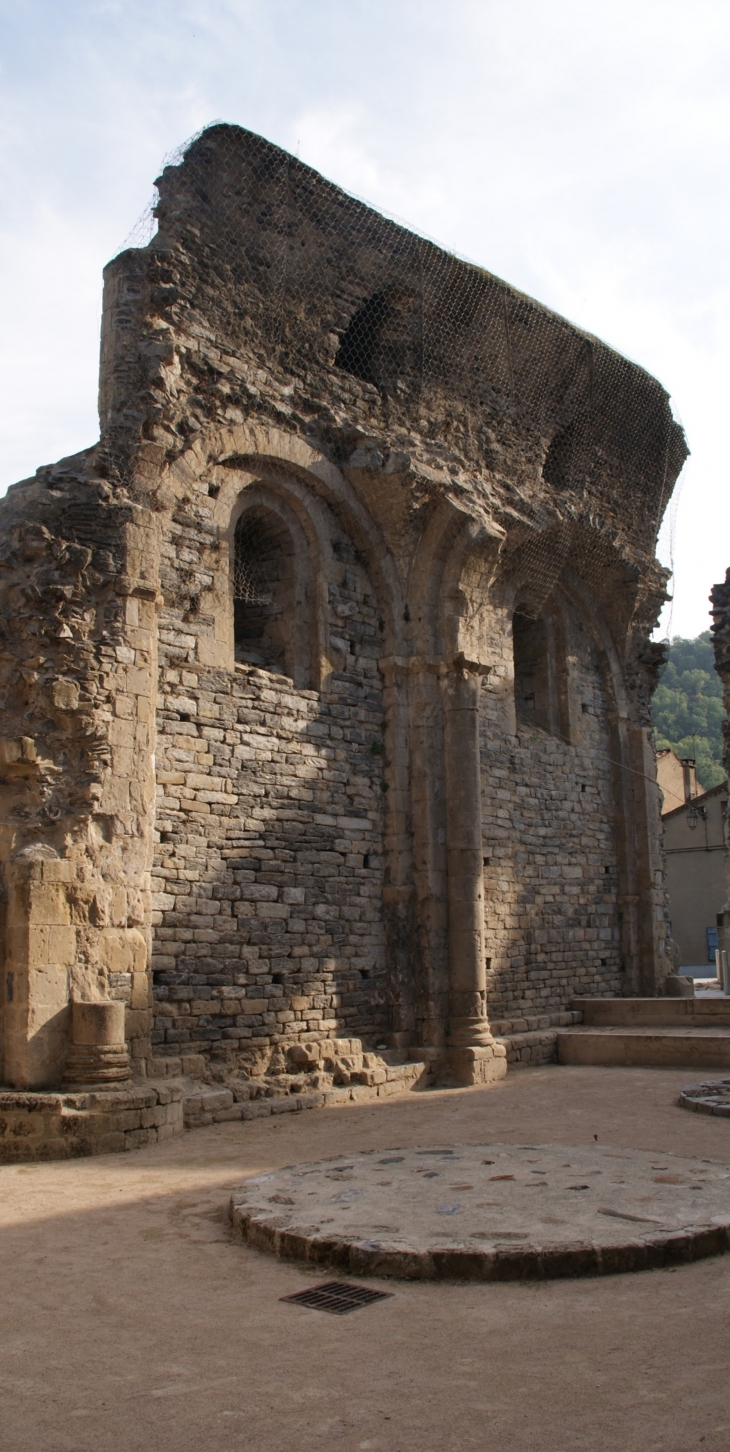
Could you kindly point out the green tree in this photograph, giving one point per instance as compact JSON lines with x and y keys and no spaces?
{"x":688,"y":709}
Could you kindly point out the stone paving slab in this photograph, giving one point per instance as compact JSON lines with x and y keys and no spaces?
{"x":490,"y":1212}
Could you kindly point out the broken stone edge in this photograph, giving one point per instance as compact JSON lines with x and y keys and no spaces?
{"x":457,"y":1264}
{"x":710,"y":1098}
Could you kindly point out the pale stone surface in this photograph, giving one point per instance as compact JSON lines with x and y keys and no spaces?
{"x":490,"y":1212}
{"x":694,"y":1032}
{"x":699,"y":1048}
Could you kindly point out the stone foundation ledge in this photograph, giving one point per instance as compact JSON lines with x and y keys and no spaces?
{"x":40,"y":1125}
{"x":534,"y":1023}
{"x":530,"y":1048}
{"x":206,"y":1105}
{"x":533,"y":1039}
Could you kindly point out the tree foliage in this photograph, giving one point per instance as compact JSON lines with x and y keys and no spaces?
{"x":688,"y":708}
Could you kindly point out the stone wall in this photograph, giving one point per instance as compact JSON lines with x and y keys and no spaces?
{"x":268,"y":877}
{"x":548,"y":832}
{"x":78,"y":584}
{"x":446,"y":477}
{"x":43,"y":1126}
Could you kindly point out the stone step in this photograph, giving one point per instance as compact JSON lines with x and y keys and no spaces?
{"x":696,"y":1013}
{"x":537,"y":1047}
{"x":662,"y":1047}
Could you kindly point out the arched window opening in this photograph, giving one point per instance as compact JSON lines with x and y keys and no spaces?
{"x":264,"y":593}
{"x":533,"y":672}
{"x":559,"y":459}
{"x":382,"y":342}
{"x":356,"y":353}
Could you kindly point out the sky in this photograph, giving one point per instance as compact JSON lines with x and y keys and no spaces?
{"x":577,"y":149}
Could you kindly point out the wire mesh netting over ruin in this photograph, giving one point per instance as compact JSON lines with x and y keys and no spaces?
{"x":408,"y":323}
{"x":262,"y":588}
{"x":361,"y":570}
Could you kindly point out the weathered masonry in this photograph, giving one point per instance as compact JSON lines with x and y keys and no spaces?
{"x":326,"y":672}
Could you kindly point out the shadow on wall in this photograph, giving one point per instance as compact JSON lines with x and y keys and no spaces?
{"x":550,"y":854}
{"x":269,"y":871}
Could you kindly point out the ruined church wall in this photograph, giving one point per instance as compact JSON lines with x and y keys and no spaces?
{"x":268,"y":876}
{"x":552,"y":925}
{"x":407,"y":419}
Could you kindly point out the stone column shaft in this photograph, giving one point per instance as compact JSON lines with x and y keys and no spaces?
{"x":468,"y":1025}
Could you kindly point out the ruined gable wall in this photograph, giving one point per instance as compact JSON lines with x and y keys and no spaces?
{"x":474,"y":408}
{"x":245,"y":303}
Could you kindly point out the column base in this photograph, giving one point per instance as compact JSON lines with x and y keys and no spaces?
{"x":469,"y":1031}
{"x":96,"y":1064}
{"x":478,"y":1064}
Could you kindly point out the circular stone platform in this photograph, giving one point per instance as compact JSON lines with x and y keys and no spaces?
{"x":710,"y":1098}
{"x":490,"y":1212}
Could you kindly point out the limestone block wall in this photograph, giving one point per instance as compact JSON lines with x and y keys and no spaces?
{"x":550,"y":853}
{"x":77,"y":671}
{"x":413,"y":444}
{"x":268,"y":877}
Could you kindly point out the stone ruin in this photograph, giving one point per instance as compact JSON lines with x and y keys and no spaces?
{"x":326,"y":673}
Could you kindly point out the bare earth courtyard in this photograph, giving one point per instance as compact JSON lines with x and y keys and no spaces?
{"x":133,"y":1318}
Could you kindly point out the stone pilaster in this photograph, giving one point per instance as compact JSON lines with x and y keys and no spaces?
{"x":40,"y":950}
{"x":470,"y":1047}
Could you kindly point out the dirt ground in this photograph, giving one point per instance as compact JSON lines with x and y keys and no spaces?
{"x":133,"y":1321}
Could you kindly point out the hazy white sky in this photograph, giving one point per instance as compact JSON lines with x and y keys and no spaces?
{"x":577,"y":149}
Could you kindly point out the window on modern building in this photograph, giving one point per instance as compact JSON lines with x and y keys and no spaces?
{"x":264,"y":592}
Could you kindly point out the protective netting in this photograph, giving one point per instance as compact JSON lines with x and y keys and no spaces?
{"x":145,"y":226}
{"x":256,"y":560}
{"x":354,"y":321}
{"x":263,"y":581}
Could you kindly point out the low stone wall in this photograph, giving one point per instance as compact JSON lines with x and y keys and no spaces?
{"x":216,"y":1106}
{"x":533,"y":1040}
{"x":37,"y":1126}
{"x":48,"y":1126}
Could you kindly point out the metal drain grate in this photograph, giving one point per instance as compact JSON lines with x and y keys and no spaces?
{"x":338,"y":1297}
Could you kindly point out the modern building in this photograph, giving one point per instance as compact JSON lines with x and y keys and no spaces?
{"x":695,"y":851}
